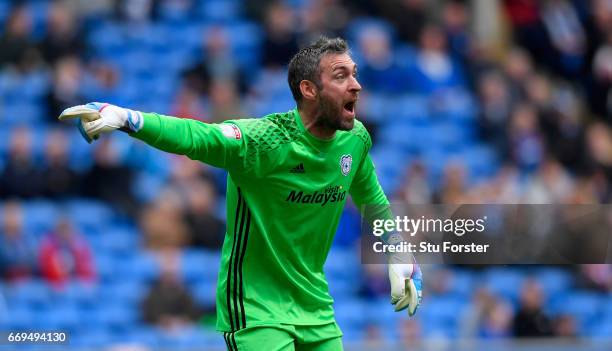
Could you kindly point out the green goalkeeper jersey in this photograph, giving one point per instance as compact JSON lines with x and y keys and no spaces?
{"x":285,"y":194}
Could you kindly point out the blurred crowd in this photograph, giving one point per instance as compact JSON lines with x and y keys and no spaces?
{"x":528,"y":80}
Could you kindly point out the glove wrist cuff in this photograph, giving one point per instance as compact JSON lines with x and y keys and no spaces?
{"x":134,"y":121}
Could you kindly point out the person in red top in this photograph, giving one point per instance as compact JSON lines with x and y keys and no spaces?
{"x":65,"y":255}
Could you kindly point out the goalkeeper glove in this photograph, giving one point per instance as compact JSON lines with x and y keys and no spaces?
{"x":406,"y":283}
{"x":95,"y":118}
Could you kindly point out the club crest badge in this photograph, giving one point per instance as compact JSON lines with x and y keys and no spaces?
{"x":345,"y":164}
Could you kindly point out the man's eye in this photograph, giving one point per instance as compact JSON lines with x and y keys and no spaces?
{"x":340,"y":76}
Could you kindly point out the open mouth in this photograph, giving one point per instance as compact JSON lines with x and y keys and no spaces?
{"x":350,"y":107}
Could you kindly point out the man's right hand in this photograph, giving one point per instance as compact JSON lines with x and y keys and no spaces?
{"x":96,"y":118}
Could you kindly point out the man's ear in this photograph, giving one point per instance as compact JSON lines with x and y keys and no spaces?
{"x":309,"y":90}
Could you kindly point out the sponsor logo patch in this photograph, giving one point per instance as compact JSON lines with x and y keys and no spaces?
{"x":231,"y":131}
{"x":331,"y":194}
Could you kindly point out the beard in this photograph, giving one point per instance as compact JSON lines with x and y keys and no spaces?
{"x":329,"y":115}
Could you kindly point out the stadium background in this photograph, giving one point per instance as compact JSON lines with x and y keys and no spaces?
{"x":467,"y":101}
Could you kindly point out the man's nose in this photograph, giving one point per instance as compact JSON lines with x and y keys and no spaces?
{"x":354,"y":85}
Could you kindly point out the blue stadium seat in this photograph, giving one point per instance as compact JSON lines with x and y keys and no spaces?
{"x":356,"y":27}
{"x":5,"y":7}
{"x":115,"y":316}
{"x":219,"y":11}
{"x":124,"y":293}
{"x":32,"y":293}
{"x":462,"y":283}
{"x":351,"y":313}
{"x":481,"y":160}
{"x":505,"y":282}
{"x":554,"y":280}
{"x":600,"y":329}
{"x":105,"y":265}
{"x":108,"y":40}
{"x":41,"y":216}
{"x":89,"y":215}
{"x":64,"y":316}
{"x":412,"y":108}
{"x":39,"y":11}
{"x":140,"y":267}
{"x":21,"y":317}
{"x":24,"y":88}
{"x":142,"y":334}
{"x":83,"y":294}
{"x":21,"y":112}
{"x":199,"y":265}
{"x":93,"y":338}
{"x":443,"y":312}
{"x":585,"y":306}
{"x":204,"y":292}
{"x":342,"y":264}
{"x":80,"y":156}
{"x":380,"y":313}
{"x":119,"y":241}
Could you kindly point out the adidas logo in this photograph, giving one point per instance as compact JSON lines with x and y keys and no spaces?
{"x":298,"y":169}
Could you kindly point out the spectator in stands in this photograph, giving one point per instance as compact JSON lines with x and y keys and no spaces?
{"x":397,"y":12}
{"x":62,"y":37}
{"x":224,"y":101}
{"x":328,"y":17}
{"x":379,"y":71}
{"x":596,"y":277}
{"x":416,"y":189}
{"x":410,"y":333}
{"x":162,"y":223}
{"x":472,"y":316}
{"x":518,"y":68}
{"x":206,"y":230}
{"x":65,"y":90}
{"x":599,"y":148}
{"x":600,"y":88}
{"x":18,"y":47}
{"x":551,"y":184}
{"x":496,"y":106}
{"x":60,"y":180}
{"x":109,"y":179}
{"x":434,"y":70}
{"x":217,"y":63}
{"x":374,"y":282}
{"x":169,"y":304}
{"x":453,"y":188}
{"x":526,"y":144}
{"x":17,"y":248}
{"x":567,"y":36}
{"x":21,"y":176}
{"x":189,"y":103}
{"x":136,"y":11}
{"x":564,"y":326}
{"x":528,"y":31}
{"x":455,"y":19}
{"x":281,"y":40}
{"x":65,"y":255}
{"x":531,"y":320}
{"x":497,"y":320}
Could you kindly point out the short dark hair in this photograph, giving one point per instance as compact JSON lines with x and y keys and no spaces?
{"x":305,"y":64}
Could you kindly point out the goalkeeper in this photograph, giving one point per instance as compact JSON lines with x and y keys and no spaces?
{"x":289,"y":174}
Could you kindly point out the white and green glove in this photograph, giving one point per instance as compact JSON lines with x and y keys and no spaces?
{"x":406,"y":281}
{"x":96,"y":118}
